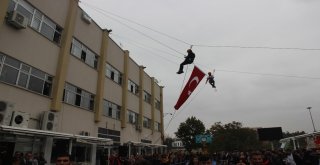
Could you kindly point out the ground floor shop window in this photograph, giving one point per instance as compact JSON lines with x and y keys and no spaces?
{"x":59,"y":146}
{"x":11,"y":144}
{"x":81,"y":153}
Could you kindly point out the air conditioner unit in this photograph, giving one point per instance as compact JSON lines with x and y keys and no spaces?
{"x":5,"y":112}
{"x":49,"y":121}
{"x":86,"y":18}
{"x":17,"y":20}
{"x":85,"y":133}
{"x":20,"y":119}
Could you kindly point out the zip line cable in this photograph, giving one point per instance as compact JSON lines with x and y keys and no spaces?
{"x":164,"y":34}
{"x":172,"y":117}
{"x":159,"y":42}
{"x":229,"y":71}
{"x":257,"y":47}
{"x":141,"y":45}
{"x":202,"y":45}
{"x":242,"y":72}
{"x":184,"y":107}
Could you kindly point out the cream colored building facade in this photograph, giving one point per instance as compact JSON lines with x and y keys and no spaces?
{"x":55,"y":61}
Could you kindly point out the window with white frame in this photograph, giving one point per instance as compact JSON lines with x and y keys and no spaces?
{"x":14,"y":72}
{"x":146,"y":97}
{"x":133,"y":87}
{"x":83,"y":53}
{"x":113,"y":74}
{"x":37,"y":20}
{"x":146,"y":122}
{"x":157,"y":104}
{"x":78,"y":97}
{"x":157,"y":126}
{"x":111,"y":110}
{"x":132,"y":117}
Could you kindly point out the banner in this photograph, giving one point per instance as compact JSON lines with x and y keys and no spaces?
{"x":194,"y":80}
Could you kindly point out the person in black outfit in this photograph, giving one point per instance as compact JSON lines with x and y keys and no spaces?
{"x":188,"y":60}
{"x":210,"y":78}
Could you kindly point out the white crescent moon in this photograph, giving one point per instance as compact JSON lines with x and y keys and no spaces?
{"x":194,"y":79}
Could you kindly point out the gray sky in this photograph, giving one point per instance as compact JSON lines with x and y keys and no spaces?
{"x":248,"y":88}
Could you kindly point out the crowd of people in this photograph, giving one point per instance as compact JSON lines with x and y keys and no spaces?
{"x":275,"y":157}
{"x":28,"y":158}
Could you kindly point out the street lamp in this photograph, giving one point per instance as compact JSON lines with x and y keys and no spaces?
{"x":309,"y":108}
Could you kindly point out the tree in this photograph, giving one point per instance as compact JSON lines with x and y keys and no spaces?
{"x":188,"y":130}
{"x":233,"y":136}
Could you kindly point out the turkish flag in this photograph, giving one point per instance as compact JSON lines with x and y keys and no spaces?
{"x":194,"y":80}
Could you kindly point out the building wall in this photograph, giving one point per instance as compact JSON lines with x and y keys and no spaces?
{"x":56,"y":10}
{"x":32,"y":48}
{"x":39,"y":53}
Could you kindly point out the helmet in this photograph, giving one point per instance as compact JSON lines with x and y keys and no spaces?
{"x":189,"y":50}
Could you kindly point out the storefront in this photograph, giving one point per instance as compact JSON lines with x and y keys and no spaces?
{"x":141,"y":148}
{"x":82,"y":149}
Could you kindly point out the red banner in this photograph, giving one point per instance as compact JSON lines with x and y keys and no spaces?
{"x":194,"y":80}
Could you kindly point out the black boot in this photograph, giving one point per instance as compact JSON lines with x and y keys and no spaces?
{"x":179,"y":72}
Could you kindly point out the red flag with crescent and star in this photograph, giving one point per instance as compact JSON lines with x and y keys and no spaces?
{"x":194,"y":80}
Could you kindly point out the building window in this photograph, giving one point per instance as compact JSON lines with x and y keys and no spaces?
{"x":111,"y":134}
{"x":157,"y":126}
{"x":79,"y":97}
{"x":133,"y":87}
{"x":146,"y":122}
{"x":81,"y":152}
{"x":146,"y":97}
{"x":37,"y":20}
{"x":132,"y":117}
{"x":113,"y":74}
{"x":111,"y":110}
{"x":83,"y":53}
{"x":157,"y":104}
{"x":14,"y":72}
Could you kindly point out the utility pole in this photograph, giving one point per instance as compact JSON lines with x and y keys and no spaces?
{"x":309,"y":108}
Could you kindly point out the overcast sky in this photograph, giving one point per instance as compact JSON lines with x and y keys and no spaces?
{"x":255,"y":86}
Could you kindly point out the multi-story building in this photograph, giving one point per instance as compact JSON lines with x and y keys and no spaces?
{"x":65,"y":85}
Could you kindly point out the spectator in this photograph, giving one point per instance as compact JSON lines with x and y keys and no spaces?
{"x":63,"y":159}
{"x":256,"y":158}
{"x":28,"y":159}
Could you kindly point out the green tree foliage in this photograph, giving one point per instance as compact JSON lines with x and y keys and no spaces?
{"x":188,"y":130}
{"x":233,"y":136}
{"x":290,"y":134}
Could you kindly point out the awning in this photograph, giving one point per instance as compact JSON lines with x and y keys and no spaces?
{"x":145,"y":144}
{"x":83,"y":139}
{"x":298,"y":137}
